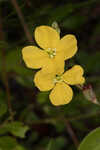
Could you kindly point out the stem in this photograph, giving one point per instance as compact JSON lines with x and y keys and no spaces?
{"x":4,"y":74}
{"x":72,"y":133}
{"x":21,"y":17}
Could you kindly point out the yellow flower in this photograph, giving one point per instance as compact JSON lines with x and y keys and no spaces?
{"x":52,"y":52}
{"x":59,"y":83}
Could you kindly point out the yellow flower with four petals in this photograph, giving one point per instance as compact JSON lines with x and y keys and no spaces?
{"x":50,"y":58}
{"x":53,"y":50}
{"x":62,"y":93}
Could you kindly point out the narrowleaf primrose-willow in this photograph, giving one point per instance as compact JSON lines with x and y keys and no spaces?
{"x":50,"y":58}
{"x":59,"y":83}
{"x":53,"y":50}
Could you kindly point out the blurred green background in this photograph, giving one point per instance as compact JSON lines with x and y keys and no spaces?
{"x":27,"y":118}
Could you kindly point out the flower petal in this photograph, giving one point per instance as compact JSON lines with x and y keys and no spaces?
{"x":59,"y":63}
{"x":55,"y":66}
{"x":46,"y":37}
{"x":68,"y":46}
{"x":61,"y":94}
{"x":34,"y":57}
{"x":74,"y":75}
{"x":44,"y":81}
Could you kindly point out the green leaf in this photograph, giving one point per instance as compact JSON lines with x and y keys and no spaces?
{"x":91,"y":141}
{"x":16,"y":128}
{"x":7,"y":143}
{"x":60,"y":142}
{"x":3,"y":109}
{"x":19,"y":147}
{"x":56,"y":144}
{"x":3,"y":105}
{"x":49,"y":147}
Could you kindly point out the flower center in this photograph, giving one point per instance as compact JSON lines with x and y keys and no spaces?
{"x":51,"y":52}
{"x":57,"y":79}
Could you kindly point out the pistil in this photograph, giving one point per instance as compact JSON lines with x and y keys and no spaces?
{"x":58,"y":78}
{"x":51,"y":52}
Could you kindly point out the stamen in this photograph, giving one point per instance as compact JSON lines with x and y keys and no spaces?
{"x":57,"y":79}
{"x":49,"y":49}
{"x":51,"y":52}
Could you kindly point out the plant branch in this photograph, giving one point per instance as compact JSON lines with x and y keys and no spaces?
{"x":4,"y":73}
{"x":71,"y":133}
{"x":21,"y":17}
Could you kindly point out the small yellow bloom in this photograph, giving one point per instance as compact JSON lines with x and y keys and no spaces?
{"x":59,"y":83}
{"x":52,"y":52}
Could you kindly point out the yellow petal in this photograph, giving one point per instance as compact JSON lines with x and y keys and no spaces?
{"x":46,"y":37}
{"x":61,"y":94}
{"x":43,"y":81}
{"x":34,"y":57}
{"x":54,"y":65}
{"x":59,"y":63}
{"x":74,"y":75}
{"x":68,"y":46}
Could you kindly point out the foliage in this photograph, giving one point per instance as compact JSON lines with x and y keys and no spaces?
{"x":91,"y":141}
